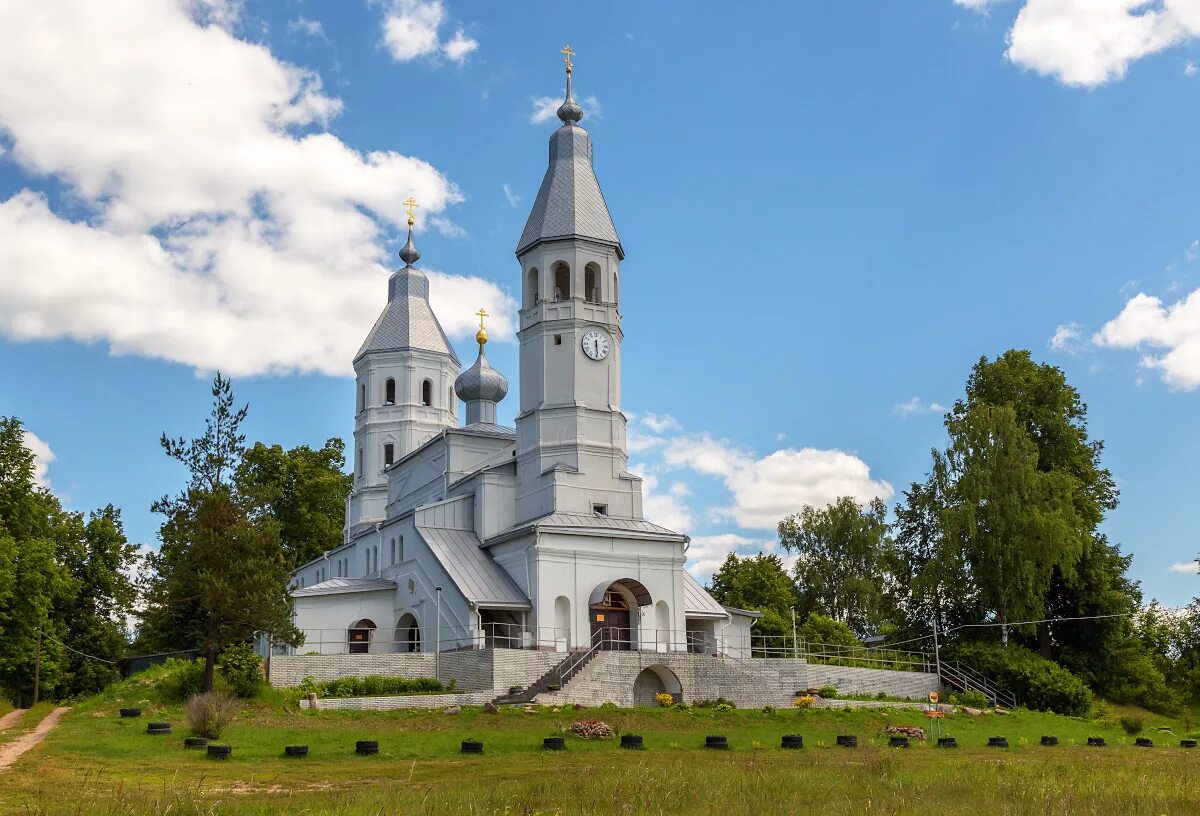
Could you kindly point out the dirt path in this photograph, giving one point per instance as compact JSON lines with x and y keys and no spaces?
{"x":11,"y":717}
{"x":13,"y":751}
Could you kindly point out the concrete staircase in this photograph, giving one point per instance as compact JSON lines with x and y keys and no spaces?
{"x":559,"y":676}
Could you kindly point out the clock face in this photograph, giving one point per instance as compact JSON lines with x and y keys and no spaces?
{"x":596,"y":344}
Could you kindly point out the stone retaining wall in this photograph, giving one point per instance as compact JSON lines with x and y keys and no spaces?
{"x":493,"y":670}
{"x":393,"y":703}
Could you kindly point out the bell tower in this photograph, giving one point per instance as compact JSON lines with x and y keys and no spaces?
{"x":404,"y":387}
{"x":571,"y":454}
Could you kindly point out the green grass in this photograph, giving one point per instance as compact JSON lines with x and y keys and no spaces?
{"x":97,"y":763}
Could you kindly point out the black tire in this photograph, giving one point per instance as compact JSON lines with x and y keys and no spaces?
{"x":719,"y":743}
{"x":220,"y":751}
{"x":898,"y":742}
{"x":471,"y":747}
{"x":158,"y":729}
{"x":947,"y":742}
{"x":131,"y":712}
{"x":295,"y":750}
{"x":1144,"y":742}
{"x":847,"y":741}
{"x":1049,"y":741}
{"x":1187,"y":743}
{"x":631,"y":741}
{"x":791,"y":741}
{"x":997,"y":742}
{"x":554,"y":744}
{"x":1096,"y":742}
{"x":365,"y":747}
{"x":195,"y":742}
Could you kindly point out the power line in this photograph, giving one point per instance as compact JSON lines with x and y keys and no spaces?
{"x":76,"y":651}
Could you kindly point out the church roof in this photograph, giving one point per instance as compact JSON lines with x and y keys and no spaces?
{"x":477,"y":576}
{"x":407,"y":322}
{"x":697,"y":603}
{"x":569,"y":203}
{"x":340,"y":586}
{"x":588,"y":522}
{"x":488,"y":429}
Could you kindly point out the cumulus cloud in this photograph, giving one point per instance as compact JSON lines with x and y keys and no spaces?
{"x":1087,"y":43}
{"x":303,"y":25}
{"x":42,"y":457}
{"x":1066,"y":338}
{"x":1186,"y":567}
{"x":1146,"y":322}
{"x":545,"y":108}
{"x":917,"y":406}
{"x":215,"y":221}
{"x":1190,"y":69}
{"x":666,"y":508}
{"x":411,"y":30}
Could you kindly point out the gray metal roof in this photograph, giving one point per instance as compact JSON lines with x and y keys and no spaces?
{"x":488,"y":429}
{"x":408,"y":321}
{"x":481,"y":382}
{"x":697,"y":603}
{"x":477,"y":576}
{"x":340,"y":586}
{"x":569,"y":203}
{"x":593,"y":520}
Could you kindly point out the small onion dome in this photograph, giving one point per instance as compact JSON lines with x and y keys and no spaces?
{"x":481,"y":336}
{"x":481,"y":382}
{"x":409,"y":253}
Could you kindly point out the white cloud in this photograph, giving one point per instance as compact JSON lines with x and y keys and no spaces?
{"x":1193,"y":251}
{"x":222,"y":13}
{"x":1186,"y":567}
{"x":303,"y":25}
{"x":706,"y":554}
{"x":1190,"y":69}
{"x":665,"y":508}
{"x":660,"y":423}
{"x":1066,"y":338}
{"x":1147,"y":322}
{"x":545,"y":108}
{"x":219,"y":219}
{"x":765,"y":489}
{"x":917,"y":406}
{"x":512,"y":198}
{"x":410,"y":30}
{"x":42,"y":457}
{"x":1087,"y":43}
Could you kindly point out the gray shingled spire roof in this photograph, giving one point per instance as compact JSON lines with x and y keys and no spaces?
{"x":569,"y":203}
{"x":408,"y":322}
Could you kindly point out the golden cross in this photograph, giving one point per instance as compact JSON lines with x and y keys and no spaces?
{"x":482,"y":314}
{"x":410,"y":204}
{"x":567,"y":54}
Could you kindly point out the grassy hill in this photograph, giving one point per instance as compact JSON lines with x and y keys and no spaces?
{"x":98,"y":763}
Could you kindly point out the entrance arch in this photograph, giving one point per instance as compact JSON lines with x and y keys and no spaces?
{"x":408,"y":634}
{"x":614,"y":612}
{"x":358,"y":636}
{"x":656,"y":680}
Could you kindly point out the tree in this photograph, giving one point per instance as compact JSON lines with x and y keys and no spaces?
{"x":1014,"y":523}
{"x":932,"y":580}
{"x":844,"y":558}
{"x":759,"y":583}
{"x":220,"y":575}
{"x":303,"y":489}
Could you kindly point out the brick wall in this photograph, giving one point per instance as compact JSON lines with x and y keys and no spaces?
{"x":521,"y":668}
{"x":393,"y":703}
{"x":290,"y":670}
{"x":610,"y":677}
{"x":472,"y":670}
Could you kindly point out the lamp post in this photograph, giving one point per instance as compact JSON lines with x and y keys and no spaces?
{"x":437,"y":645}
{"x":795,"y":648}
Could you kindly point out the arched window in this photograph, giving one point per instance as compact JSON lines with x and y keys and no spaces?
{"x":389,"y":392}
{"x":393,"y":561}
{"x":616,"y":292}
{"x":367,"y":563}
{"x":531,"y":288}
{"x":388,"y":453}
{"x":451,"y":401}
{"x":591,"y":283}
{"x":427,"y":392}
{"x":362,"y":396}
{"x":562,"y":281}
{"x":402,"y":549}
{"x":358,"y":468}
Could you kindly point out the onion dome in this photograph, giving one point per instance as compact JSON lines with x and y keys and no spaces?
{"x":481,"y":386}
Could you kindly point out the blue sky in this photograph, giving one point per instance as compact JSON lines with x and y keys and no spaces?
{"x":830,"y":211}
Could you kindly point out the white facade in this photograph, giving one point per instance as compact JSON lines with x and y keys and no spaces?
{"x":486,"y":536}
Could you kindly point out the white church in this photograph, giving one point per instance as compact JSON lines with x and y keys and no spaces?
{"x":472,"y":535}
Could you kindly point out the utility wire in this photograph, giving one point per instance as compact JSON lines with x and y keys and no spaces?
{"x":76,"y":651}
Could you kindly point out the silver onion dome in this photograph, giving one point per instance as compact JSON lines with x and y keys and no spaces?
{"x":481,"y":382}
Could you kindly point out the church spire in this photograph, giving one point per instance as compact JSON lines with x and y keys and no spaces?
{"x":481,"y":386}
{"x":409,"y":253}
{"x":569,"y":112}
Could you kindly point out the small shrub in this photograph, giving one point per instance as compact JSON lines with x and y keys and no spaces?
{"x":208,"y":714}
{"x":827,"y":692}
{"x":1040,"y":684}
{"x":664,"y":699}
{"x":184,"y":679}
{"x":515,"y":689}
{"x":804,"y":701}
{"x":242,"y":669}
{"x":972,"y":699}
{"x":723,"y":707}
{"x":768,"y":710}
{"x":308,"y":685}
{"x":1132,"y":725}
{"x":715,"y":704}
